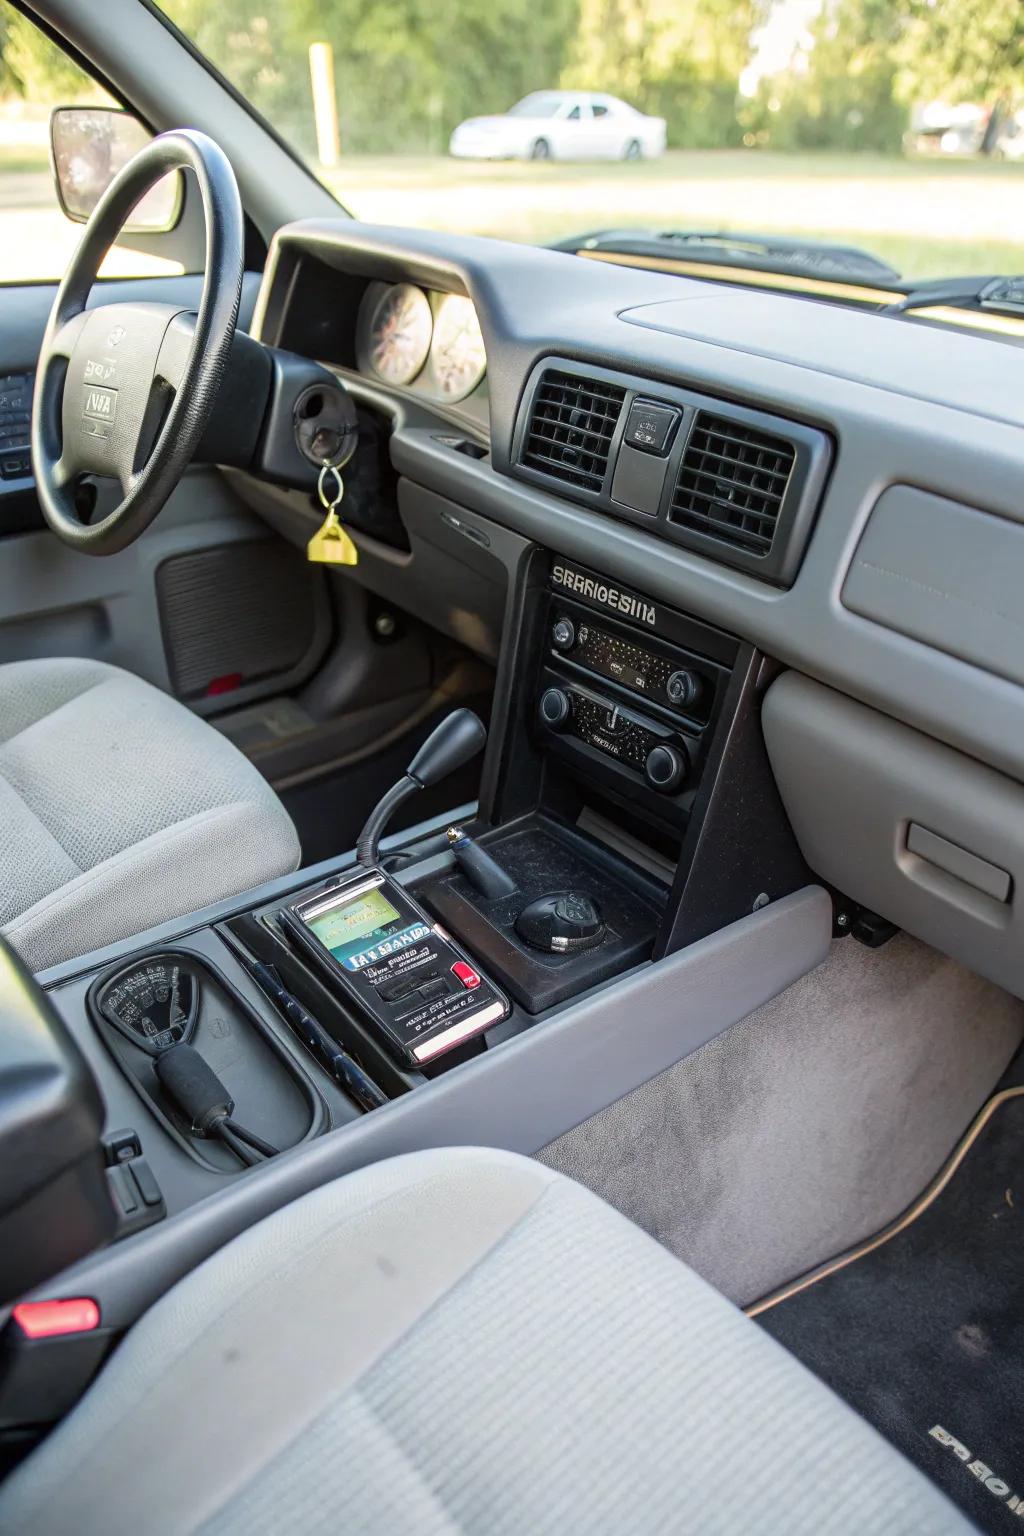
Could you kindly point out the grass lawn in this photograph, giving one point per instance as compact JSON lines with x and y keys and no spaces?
{"x":22,"y":159}
{"x":928,"y":218}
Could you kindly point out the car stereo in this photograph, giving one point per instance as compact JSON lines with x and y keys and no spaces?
{"x":628,"y":690}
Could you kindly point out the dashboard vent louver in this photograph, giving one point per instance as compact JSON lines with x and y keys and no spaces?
{"x":731,"y":482}
{"x":571,"y":427}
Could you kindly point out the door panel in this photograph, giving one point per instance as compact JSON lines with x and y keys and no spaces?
{"x":57,"y":602}
{"x":572,"y":133}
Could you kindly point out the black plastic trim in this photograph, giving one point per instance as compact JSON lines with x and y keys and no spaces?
{"x":813,"y":450}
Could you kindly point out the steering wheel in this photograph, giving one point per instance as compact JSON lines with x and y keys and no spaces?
{"x":125,"y":391}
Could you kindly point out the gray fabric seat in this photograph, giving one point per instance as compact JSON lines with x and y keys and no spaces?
{"x":119,"y":808}
{"x":458,"y":1341}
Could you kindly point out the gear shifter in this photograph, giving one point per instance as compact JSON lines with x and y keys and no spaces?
{"x":459,"y":737}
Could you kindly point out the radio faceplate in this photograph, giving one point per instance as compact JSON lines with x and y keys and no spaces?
{"x":631,"y":700}
{"x":647,"y":749}
{"x":679,"y":682}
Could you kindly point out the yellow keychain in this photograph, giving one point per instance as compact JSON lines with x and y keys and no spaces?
{"x":331,"y":544}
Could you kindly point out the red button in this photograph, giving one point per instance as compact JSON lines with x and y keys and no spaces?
{"x":49,"y":1319}
{"x":466,"y":974}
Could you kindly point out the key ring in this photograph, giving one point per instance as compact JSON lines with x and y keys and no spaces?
{"x":330,"y":469}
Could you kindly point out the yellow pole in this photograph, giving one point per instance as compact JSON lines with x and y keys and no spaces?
{"x":325,"y":103}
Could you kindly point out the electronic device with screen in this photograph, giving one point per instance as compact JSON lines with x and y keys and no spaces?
{"x":401,"y":972}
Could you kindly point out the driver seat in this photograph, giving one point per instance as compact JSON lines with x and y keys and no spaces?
{"x":119,"y":809}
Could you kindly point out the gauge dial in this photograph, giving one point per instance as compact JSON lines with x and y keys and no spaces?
{"x":154,"y":1002}
{"x":399,"y":333}
{"x":457,"y":355}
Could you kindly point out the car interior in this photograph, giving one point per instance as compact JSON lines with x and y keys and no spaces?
{"x":511,"y":798}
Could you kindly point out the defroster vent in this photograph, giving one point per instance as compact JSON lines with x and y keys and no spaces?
{"x":731,"y":482}
{"x":571,"y":427}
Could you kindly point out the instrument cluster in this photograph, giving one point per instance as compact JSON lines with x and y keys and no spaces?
{"x":414,"y":338}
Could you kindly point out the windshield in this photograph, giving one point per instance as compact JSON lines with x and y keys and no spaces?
{"x":538,"y":104}
{"x":893,"y":127}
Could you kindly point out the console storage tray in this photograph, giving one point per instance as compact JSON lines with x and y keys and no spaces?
{"x":543,"y":855}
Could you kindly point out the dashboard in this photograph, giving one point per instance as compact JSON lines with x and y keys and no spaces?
{"x":898,"y":404}
{"x":839,"y":490}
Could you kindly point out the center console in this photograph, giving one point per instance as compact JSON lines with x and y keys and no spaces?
{"x":495,"y":975}
{"x":626,"y":811}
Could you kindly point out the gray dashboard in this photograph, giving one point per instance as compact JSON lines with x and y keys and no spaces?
{"x":905,"y":404}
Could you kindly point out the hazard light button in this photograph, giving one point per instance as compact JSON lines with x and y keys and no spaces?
{"x":466,"y":974}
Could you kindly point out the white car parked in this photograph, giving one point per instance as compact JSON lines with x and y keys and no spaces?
{"x":562,"y":125}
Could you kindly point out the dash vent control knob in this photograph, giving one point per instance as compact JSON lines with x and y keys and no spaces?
{"x":666,"y":768}
{"x":555,"y":708}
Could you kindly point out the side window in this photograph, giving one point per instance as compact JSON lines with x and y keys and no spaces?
{"x":599,"y":110}
{"x":36,"y":237}
{"x":575,"y":115}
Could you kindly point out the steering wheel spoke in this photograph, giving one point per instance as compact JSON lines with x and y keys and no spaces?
{"x":175,"y":350}
{"x":126,"y":478}
{"x":63,"y":474}
{"x":65,"y":337}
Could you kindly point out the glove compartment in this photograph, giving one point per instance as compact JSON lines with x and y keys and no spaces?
{"x":902,"y":824}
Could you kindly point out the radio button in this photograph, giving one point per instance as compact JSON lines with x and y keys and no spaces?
{"x":665,"y":768}
{"x":394,"y":991}
{"x":465,"y":973}
{"x":555,"y":708}
{"x":563,"y":635}
{"x":683,"y":688}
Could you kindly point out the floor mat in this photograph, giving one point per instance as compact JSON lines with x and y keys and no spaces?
{"x":924,"y":1334}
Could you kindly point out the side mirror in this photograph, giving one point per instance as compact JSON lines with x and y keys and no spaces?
{"x":89,"y":145}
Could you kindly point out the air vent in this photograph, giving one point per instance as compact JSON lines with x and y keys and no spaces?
{"x":731,"y":482}
{"x":571,"y":428}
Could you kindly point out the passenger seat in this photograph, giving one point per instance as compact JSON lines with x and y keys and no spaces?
{"x":458,"y":1341}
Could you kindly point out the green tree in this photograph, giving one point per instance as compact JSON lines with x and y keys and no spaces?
{"x":965,"y":50}
{"x":249,"y":41}
{"x":408,"y":70}
{"x":35,"y":68}
{"x":678,"y":59}
{"x":842,"y":94}
{"x":962,"y":50}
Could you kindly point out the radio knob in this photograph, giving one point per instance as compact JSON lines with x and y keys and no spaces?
{"x":563,"y":634}
{"x":666,"y":768}
{"x":555,"y":708}
{"x":683,"y":688}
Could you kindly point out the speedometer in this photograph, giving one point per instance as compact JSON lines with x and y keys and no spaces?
{"x":458,"y":355}
{"x":399,"y":332}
